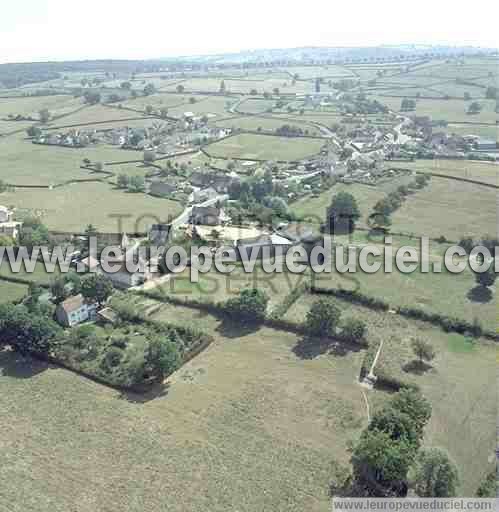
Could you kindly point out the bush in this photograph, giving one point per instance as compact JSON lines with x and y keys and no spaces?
{"x":354,"y":331}
{"x":249,"y":307}
{"x":323,"y":317}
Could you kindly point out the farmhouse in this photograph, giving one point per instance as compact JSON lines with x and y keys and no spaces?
{"x":75,"y":310}
{"x":206,"y":215}
{"x":219,"y":181}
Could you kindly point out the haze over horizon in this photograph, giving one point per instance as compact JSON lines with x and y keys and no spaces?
{"x":42,"y":30}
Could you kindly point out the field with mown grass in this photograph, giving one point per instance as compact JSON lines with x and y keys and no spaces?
{"x":448,"y":208}
{"x":265,"y":147}
{"x":10,"y":292}
{"x":73,"y":207}
{"x":486,"y":172}
{"x":246,"y":425}
{"x":25,"y":163}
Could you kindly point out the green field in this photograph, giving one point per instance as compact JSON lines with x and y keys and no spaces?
{"x":448,"y":110}
{"x":39,"y":276}
{"x":464,"y":409}
{"x":11,"y":291}
{"x":484,"y":172}
{"x":73,"y":207}
{"x":264,"y":147}
{"x":30,"y":106}
{"x":24,"y":163}
{"x":246,"y":425}
{"x":253,"y":123}
{"x":450,"y":208}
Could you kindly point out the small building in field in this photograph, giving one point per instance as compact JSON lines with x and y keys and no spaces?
{"x":75,"y":310}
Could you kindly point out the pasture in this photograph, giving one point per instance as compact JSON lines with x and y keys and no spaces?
{"x":72,"y":207}
{"x":256,"y":123}
{"x":464,"y":409}
{"x":450,"y":208}
{"x":24,"y":163}
{"x":485,"y":172}
{"x":452,"y":111}
{"x":265,"y":147}
{"x":246,"y":425}
{"x":10,"y":292}
{"x":57,"y":105}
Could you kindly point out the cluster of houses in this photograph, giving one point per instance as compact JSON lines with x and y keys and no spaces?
{"x":70,"y":139}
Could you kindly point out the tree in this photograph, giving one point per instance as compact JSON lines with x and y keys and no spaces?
{"x":276,"y":91}
{"x":27,"y":330}
{"x":487,"y":278}
{"x":423,"y":350}
{"x":162,"y":356}
{"x":33,"y":233}
{"x":92,"y":97}
{"x":96,"y":287}
{"x":149,"y":89}
{"x":126,"y":86}
{"x":122,"y":181}
{"x":6,"y":241}
{"x":163,"y":112}
{"x":342,"y":213}
{"x":491,"y":93}
{"x":322,"y":318}
{"x":58,"y":289}
{"x":44,"y":115}
{"x":34,"y":131}
{"x":435,"y":474}
{"x":488,"y":488}
{"x":3,"y":186}
{"x":148,"y":109}
{"x":399,"y":425}
{"x":149,"y":155}
{"x":353,"y":330}
{"x":180,"y":88}
{"x":222,"y":87}
{"x":380,"y":465}
{"x":415,"y":405}
{"x":249,"y":307}
{"x":136,"y":184}
{"x":474,"y":108}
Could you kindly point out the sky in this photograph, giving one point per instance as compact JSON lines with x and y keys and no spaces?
{"x":40,"y":30}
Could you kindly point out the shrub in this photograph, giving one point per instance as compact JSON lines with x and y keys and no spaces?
{"x":354,"y":331}
{"x":322,"y":318}
{"x":249,"y":307}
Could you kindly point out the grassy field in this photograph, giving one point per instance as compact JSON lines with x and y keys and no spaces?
{"x":444,"y":207}
{"x":211,"y":106}
{"x":246,"y":425}
{"x":24,"y":163}
{"x":449,"y":110}
{"x":480,"y":171}
{"x":464,"y":409}
{"x":450,"y":208}
{"x":91,"y":203}
{"x":261,"y":147}
{"x":11,"y":291}
{"x":30,"y":106}
{"x":255,"y":106}
{"x":39,"y":276}
{"x":265,"y":123}
{"x":486,"y":131}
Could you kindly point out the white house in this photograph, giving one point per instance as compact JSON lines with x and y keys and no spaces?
{"x":75,"y":310}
